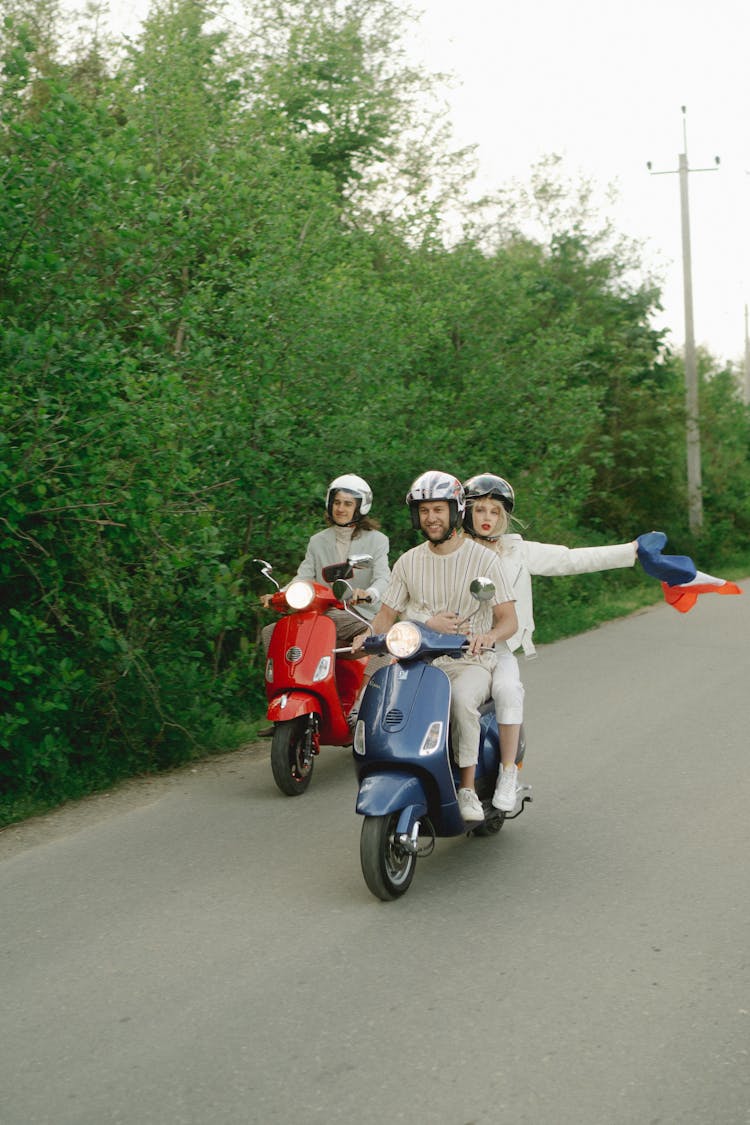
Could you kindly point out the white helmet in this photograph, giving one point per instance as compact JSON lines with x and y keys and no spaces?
{"x":353,"y":486}
{"x":434,"y":485}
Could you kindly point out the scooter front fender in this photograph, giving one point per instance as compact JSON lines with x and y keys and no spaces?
{"x":290,"y":705}
{"x":390,"y":791}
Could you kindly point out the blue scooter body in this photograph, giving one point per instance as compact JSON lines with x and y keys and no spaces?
{"x":402,"y":742}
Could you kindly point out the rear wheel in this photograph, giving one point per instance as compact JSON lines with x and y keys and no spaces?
{"x":387,"y":867}
{"x":292,"y":758}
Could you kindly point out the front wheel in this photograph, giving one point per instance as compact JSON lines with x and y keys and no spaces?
{"x":292,"y":758}
{"x":387,"y":867}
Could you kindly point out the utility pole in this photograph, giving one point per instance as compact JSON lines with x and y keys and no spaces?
{"x":695,"y":495}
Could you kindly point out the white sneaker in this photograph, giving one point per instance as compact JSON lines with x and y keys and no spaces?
{"x":470,"y":806}
{"x":504,"y":797}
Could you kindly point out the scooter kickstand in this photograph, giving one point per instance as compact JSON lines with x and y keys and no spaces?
{"x":524,"y":801}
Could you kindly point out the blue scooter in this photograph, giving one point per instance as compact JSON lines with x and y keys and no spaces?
{"x":407,"y":780}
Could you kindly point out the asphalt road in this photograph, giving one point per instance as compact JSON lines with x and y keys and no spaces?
{"x":199,"y":949}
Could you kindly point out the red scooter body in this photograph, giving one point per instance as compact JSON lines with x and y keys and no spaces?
{"x":310,"y":689}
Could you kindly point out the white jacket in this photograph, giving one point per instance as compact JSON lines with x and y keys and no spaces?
{"x":521,"y":559}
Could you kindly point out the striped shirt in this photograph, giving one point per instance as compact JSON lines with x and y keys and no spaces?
{"x":424,"y":583}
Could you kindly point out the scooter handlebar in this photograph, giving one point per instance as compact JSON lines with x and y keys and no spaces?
{"x":443,"y":644}
{"x":375,"y":644}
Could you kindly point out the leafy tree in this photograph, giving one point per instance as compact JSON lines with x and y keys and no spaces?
{"x":725,"y":449}
{"x":223,"y":281}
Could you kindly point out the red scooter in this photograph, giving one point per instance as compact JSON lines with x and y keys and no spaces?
{"x":309,"y":691}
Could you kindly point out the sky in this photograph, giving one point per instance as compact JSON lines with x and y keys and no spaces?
{"x":602,"y":83}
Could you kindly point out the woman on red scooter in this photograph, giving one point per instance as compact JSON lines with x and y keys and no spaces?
{"x":350,"y":530}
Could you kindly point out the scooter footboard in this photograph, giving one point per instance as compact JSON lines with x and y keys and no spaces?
{"x":389,"y":791}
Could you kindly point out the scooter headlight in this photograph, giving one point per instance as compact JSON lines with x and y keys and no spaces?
{"x":403,"y":639}
{"x":299,"y":595}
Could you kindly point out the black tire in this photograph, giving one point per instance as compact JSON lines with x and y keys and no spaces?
{"x":387,"y":868}
{"x":291,"y":771}
{"x":491,"y":826}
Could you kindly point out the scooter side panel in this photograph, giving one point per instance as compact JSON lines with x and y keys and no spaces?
{"x":349,"y":676}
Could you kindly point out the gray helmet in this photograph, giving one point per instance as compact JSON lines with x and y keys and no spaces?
{"x":434,"y":485}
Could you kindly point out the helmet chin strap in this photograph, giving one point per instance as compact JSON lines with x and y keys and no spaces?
{"x":484,"y":538}
{"x":449,"y":535}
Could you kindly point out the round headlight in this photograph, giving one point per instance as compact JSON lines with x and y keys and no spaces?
{"x":299,"y":595}
{"x":403,"y":639}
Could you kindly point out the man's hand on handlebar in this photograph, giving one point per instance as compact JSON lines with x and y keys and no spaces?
{"x":358,"y":641}
{"x":480,"y":643}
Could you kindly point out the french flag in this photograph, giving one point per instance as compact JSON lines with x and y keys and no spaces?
{"x":680,"y":580}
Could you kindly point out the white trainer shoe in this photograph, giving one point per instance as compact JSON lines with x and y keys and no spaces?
{"x":470,"y":806}
{"x":504,"y":797}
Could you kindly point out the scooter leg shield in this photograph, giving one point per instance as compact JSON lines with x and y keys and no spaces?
{"x":390,"y":791}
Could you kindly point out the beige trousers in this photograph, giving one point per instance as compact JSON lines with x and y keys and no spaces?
{"x":471,"y":685}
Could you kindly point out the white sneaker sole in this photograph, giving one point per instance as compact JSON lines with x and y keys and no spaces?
{"x":472,"y":816}
{"x":505,"y":806}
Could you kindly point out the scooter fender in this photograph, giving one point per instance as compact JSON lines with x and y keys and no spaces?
{"x":393,"y":791}
{"x":290,"y":705}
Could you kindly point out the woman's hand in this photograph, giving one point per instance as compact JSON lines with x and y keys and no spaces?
{"x":444,"y":622}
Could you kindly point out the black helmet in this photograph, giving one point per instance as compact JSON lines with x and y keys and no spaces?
{"x":486,"y":485}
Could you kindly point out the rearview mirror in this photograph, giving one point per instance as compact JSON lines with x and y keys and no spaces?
{"x":483,"y":589}
{"x":265,"y":570}
{"x":344,"y":569}
{"x":335,"y":572}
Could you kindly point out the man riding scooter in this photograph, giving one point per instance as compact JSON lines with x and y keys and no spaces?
{"x":431,"y":583}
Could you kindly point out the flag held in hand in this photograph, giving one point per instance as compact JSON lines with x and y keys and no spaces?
{"x":681,"y":581}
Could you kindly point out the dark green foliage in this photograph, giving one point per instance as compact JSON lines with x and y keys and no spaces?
{"x":209,"y":308}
